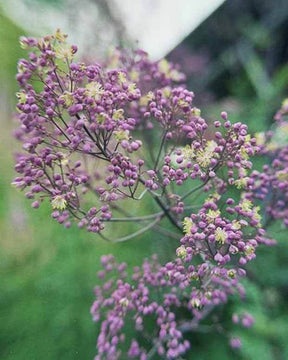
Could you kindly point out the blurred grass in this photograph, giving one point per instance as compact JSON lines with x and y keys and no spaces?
{"x":49,"y":274}
{"x":9,"y":36}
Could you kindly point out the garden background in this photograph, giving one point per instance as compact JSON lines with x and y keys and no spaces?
{"x":235,"y":60}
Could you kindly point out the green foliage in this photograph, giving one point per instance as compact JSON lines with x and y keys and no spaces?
{"x":9,"y":49}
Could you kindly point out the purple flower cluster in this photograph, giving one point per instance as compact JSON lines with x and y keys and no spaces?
{"x":225,"y":240}
{"x":76,"y":118}
{"x":271,"y":184}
